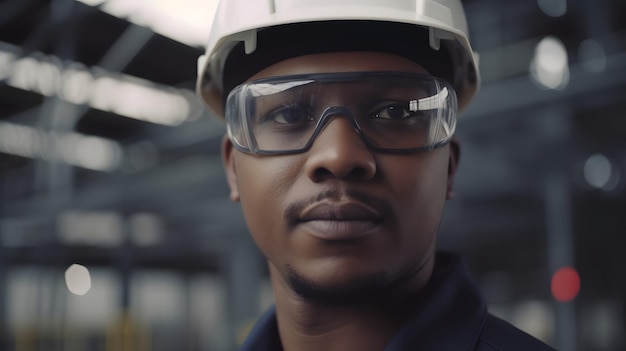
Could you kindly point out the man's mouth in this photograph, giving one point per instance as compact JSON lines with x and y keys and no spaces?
{"x":339,"y":211}
{"x":336,"y":218}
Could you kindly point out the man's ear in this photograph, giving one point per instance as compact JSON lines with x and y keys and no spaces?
{"x":229,"y":166}
{"x":453,"y":162}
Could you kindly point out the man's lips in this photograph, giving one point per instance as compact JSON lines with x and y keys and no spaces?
{"x":345,"y":220}
{"x":339,"y":211}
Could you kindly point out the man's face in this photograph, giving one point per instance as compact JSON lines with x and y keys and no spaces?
{"x":340,"y":220}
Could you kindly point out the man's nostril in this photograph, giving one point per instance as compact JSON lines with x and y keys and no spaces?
{"x":359,"y":172}
{"x":321,"y":173}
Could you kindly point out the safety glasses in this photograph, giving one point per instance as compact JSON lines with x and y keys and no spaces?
{"x":391,"y":112}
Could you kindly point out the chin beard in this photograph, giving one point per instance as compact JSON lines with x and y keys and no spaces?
{"x":356,"y":291}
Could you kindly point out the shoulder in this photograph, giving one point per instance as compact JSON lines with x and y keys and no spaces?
{"x":498,"y":335}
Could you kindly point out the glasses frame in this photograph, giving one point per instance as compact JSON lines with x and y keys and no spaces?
{"x":333,"y":111}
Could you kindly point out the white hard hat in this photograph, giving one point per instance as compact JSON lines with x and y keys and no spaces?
{"x":239,"y":22}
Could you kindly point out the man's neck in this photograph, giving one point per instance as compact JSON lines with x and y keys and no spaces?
{"x":370,"y":325}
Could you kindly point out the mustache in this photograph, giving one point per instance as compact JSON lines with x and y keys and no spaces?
{"x":382,"y":206}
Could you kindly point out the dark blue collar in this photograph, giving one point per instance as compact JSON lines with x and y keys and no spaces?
{"x":264,"y":335}
{"x":450,"y":315}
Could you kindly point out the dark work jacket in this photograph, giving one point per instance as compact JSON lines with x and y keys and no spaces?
{"x":452,"y":315}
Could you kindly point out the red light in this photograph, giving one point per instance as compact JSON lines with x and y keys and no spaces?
{"x":565,"y":284}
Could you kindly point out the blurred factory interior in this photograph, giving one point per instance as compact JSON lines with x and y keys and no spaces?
{"x":116,"y":232}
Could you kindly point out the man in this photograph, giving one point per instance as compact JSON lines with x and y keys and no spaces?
{"x":340,"y":118}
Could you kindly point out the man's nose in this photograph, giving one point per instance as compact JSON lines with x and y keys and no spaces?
{"x":339,"y":152}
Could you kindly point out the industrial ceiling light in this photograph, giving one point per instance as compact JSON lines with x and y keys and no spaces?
{"x":122,"y":94}
{"x":549,"y":67}
{"x":186,"y":21}
{"x":553,"y":8}
{"x":78,"y":279}
{"x":592,"y":56}
{"x":601,"y":173}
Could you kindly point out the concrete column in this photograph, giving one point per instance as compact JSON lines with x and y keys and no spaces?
{"x":555,"y":127}
{"x":560,"y":254}
{"x":244,"y":270}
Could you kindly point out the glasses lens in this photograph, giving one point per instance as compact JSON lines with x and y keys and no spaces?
{"x":391,"y":111}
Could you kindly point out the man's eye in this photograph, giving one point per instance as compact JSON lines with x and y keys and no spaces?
{"x":393,"y":112}
{"x":293,"y":114}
